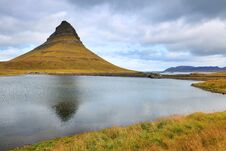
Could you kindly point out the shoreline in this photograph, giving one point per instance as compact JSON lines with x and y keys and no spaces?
{"x":119,"y":74}
{"x":94,"y":74}
{"x":163,"y":143}
{"x":214,"y":83}
{"x":174,"y":132}
{"x":213,"y":86}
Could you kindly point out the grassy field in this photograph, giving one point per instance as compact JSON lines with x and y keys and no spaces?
{"x":196,"y":132}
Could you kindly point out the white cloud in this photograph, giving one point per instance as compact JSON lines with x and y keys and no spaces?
{"x":12,"y":52}
{"x":207,"y":37}
{"x":135,"y":36}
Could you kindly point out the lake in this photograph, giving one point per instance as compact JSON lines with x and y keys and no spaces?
{"x":41,"y":107}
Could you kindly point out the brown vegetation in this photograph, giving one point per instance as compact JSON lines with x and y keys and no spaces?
{"x":218,"y":86}
{"x":196,"y":132}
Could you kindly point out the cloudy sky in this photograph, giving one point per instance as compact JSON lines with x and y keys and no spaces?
{"x":137,"y":34}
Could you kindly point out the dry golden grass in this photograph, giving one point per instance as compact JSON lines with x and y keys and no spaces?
{"x":60,"y":57}
{"x":196,"y":132}
{"x":219,"y":74}
{"x":218,"y":86}
{"x":215,"y":82}
{"x":197,"y":76}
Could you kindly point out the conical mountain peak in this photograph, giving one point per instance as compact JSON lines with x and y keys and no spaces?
{"x":63,"y":53}
{"x":65,"y":29}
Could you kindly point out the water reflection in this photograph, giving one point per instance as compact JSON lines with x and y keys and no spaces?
{"x":64,"y":88}
{"x":65,"y":110}
{"x":35,"y":108}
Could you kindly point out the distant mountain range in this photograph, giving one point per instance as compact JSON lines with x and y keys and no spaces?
{"x":195,"y":69}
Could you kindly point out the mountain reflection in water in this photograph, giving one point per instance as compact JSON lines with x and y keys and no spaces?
{"x":65,"y":110}
{"x":68,"y":104}
{"x":34,"y":108}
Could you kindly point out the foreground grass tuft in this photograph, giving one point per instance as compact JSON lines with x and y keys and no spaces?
{"x":196,"y":132}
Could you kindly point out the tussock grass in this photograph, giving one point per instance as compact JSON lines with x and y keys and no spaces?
{"x":196,"y":132}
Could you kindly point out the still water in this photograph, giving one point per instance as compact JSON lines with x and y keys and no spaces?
{"x":40,"y":107}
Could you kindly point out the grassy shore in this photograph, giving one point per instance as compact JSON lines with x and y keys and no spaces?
{"x":71,"y":72}
{"x":196,"y":76}
{"x":217,"y":86}
{"x":196,"y":132}
{"x":215,"y":82}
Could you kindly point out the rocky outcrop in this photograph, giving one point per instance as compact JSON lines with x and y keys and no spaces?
{"x":65,"y":29}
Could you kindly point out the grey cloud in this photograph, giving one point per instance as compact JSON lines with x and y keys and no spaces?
{"x":163,"y":10}
{"x":30,"y":10}
{"x":196,"y":27}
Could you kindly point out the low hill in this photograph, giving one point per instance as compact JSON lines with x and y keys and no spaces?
{"x":195,"y":69}
{"x":62,"y":53}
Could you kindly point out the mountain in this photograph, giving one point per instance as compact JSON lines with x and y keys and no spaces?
{"x":195,"y":69}
{"x":63,"y":52}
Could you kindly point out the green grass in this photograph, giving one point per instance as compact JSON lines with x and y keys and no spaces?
{"x":196,"y":132}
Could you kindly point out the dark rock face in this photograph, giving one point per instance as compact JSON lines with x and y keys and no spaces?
{"x":64,"y":29}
